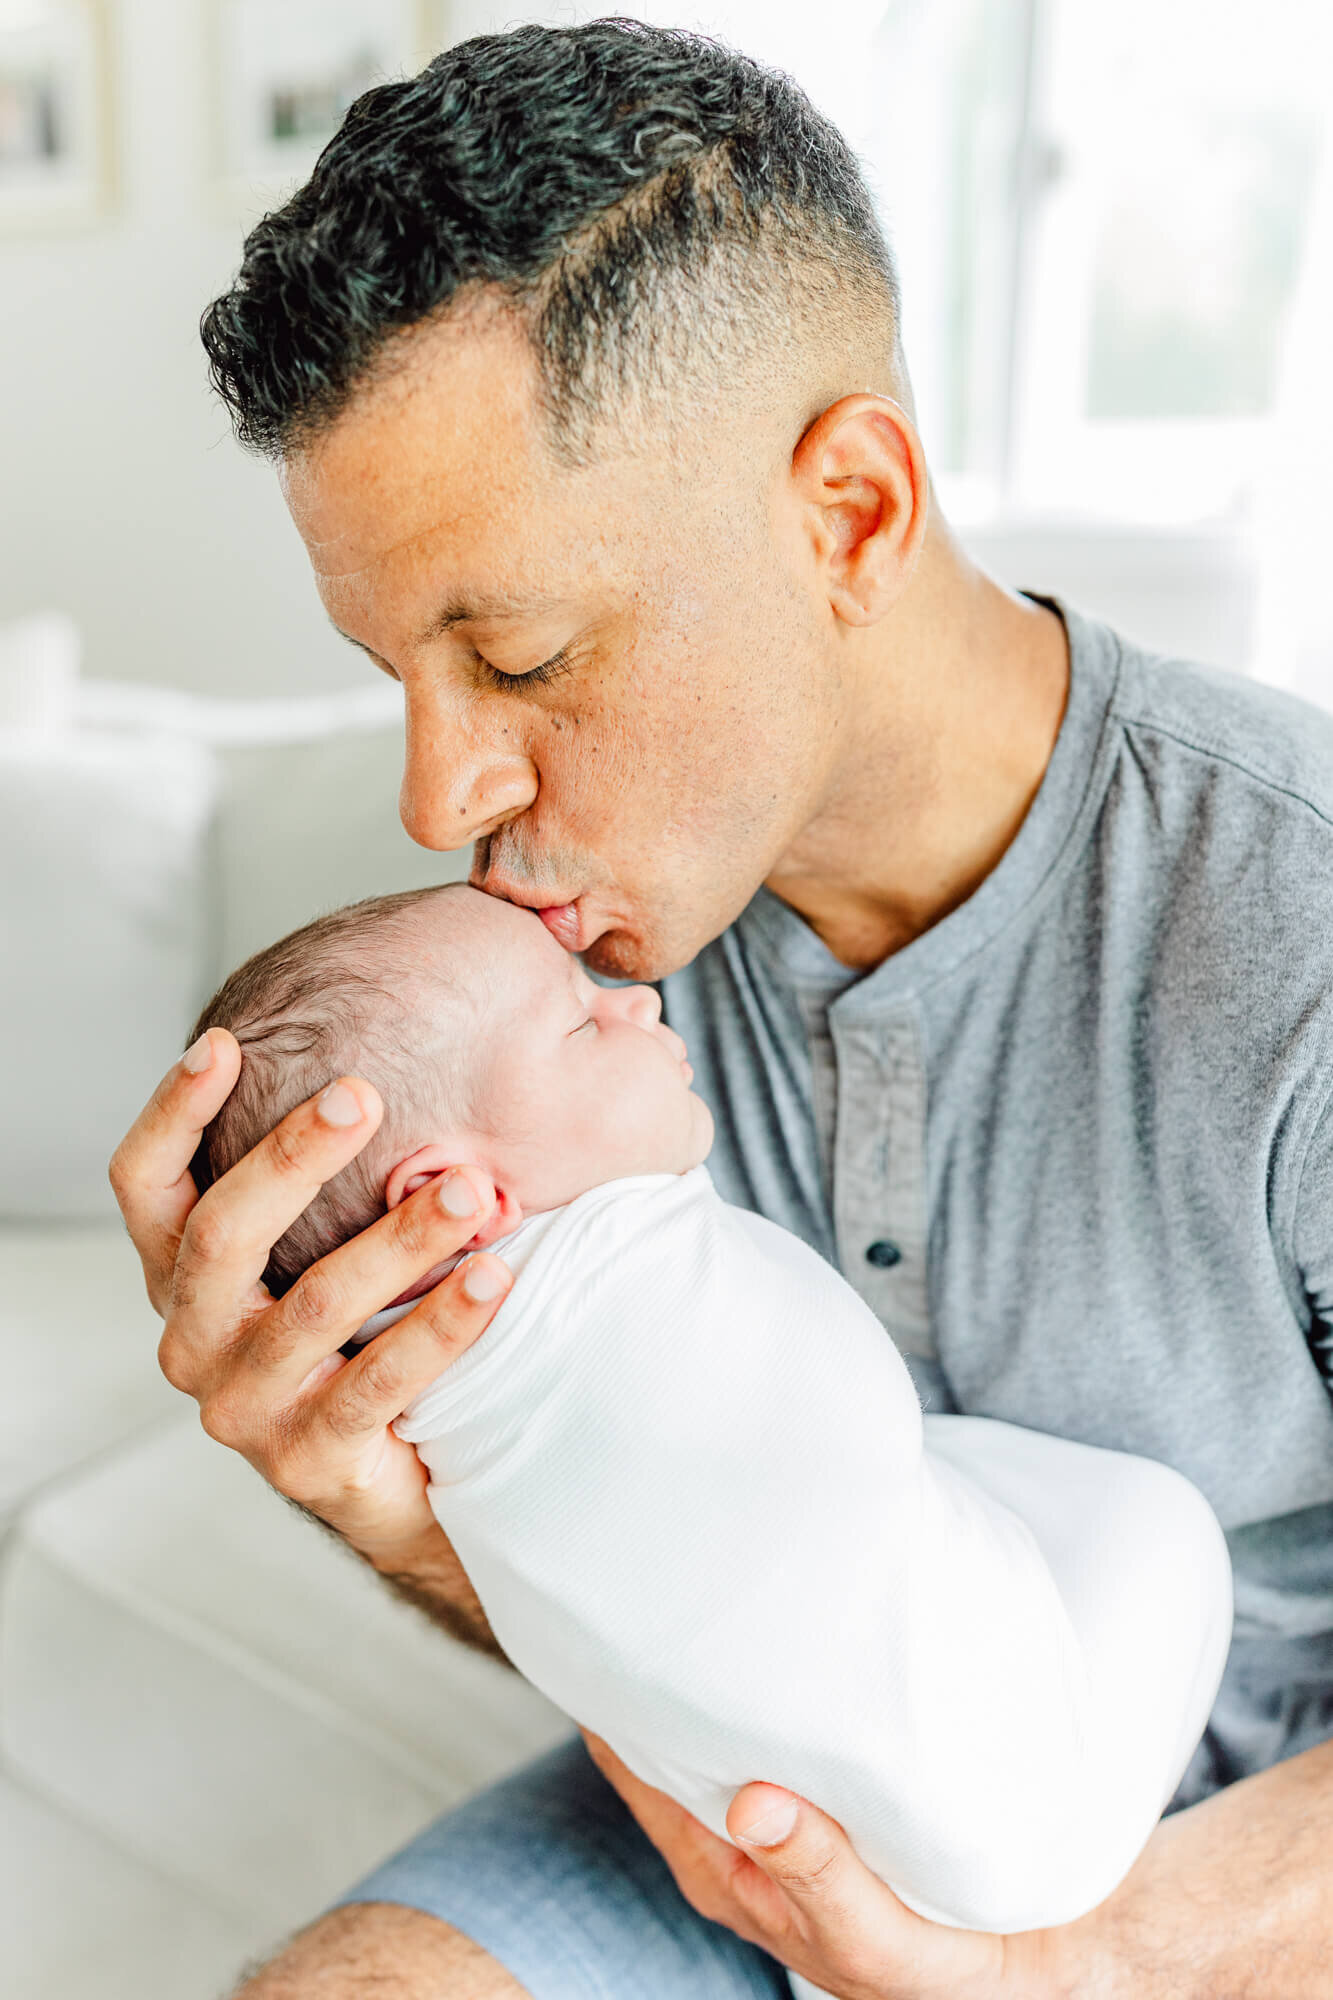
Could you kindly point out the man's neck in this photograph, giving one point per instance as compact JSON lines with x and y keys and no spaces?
{"x":960,"y":696}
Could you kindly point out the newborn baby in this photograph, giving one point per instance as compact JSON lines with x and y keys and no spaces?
{"x":685,"y":1467}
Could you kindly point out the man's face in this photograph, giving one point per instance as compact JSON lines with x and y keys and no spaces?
{"x":621,"y":681}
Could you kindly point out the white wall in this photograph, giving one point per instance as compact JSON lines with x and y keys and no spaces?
{"x":127,"y":503}
{"x":125,"y":500}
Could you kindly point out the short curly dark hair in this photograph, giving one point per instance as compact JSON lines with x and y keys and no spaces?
{"x":640,"y":196}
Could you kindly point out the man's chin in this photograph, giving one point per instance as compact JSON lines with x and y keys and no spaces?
{"x":643,"y":957}
{"x":619,"y":954}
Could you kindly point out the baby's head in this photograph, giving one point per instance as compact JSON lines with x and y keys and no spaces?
{"x":488,"y":1043}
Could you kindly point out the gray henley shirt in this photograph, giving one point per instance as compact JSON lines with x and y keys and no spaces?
{"x":1074,"y":1145}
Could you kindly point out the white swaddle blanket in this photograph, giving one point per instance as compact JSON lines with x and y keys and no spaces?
{"x":688,"y":1474}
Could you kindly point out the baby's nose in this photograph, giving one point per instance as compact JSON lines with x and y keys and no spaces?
{"x":644,"y":1004}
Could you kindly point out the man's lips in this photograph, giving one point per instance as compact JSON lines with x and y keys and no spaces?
{"x":565,"y":923}
{"x":562,"y":916}
{"x":526,"y":899}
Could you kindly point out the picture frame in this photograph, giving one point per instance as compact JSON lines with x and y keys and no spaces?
{"x":284,"y":73}
{"x":56,"y":158}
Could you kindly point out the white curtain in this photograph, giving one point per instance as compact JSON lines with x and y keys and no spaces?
{"x":1293,"y":646}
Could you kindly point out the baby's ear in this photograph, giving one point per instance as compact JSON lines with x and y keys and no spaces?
{"x":427,"y":1164}
{"x":415,"y":1171}
{"x":504,"y":1217}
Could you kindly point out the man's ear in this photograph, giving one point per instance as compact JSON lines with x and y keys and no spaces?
{"x":428,"y":1163}
{"x":861,"y":472}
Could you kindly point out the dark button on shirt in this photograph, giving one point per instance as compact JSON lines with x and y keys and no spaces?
{"x":883,"y":1254}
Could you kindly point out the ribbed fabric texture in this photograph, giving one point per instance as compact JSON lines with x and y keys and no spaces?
{"x":689,"y":1477}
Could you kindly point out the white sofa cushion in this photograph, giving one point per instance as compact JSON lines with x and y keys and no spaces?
{"x":102,"y":925}
{"x":307,"y":813}
{"x":78,"y":1352}
{"x":306,"y":826}
{"x":81,"y":1921}
{"x":192,"y":1668}
{"x":39,"y":671}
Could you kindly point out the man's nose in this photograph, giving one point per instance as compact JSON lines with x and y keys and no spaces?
{"x":456,"y":788}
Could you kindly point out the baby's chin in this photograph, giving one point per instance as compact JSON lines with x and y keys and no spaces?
{"x":681,"y":1151}
{"x":694,"y":1142}
{"x":707,"y":1131}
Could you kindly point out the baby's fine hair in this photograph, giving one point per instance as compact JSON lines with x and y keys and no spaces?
{"x":333,"y":998}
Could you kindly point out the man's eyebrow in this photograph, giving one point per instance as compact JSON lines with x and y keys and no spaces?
{"x":461,"y":612}
{"x":458,"y":612}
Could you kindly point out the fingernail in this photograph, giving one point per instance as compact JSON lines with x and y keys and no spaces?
{"x":771,"y":1827}
{"x":198,"y":1057}
{"x":457,"y":1195}
{"x":338,"y":1106}
{"x":483,"y":1281}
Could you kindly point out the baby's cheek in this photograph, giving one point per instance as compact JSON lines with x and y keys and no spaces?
{"x":645,"y":1129}
{"x":676,"y":1131}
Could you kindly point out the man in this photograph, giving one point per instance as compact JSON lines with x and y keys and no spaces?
{"x":998,"y":947}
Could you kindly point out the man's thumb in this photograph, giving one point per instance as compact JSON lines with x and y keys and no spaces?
{"x":763,"y":1817}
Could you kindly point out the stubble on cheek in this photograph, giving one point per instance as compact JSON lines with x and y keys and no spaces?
{"x":672,"y":777}
{"x":690,"y":818}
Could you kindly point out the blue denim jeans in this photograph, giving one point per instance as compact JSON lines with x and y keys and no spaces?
{"x":549,"y":1872}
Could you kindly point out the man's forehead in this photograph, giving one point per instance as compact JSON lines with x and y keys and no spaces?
{"x":450,"y":438}
{"x":443,"y":474}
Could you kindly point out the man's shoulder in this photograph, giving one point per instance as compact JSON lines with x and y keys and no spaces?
{"x":1220,"y":831}
{"x":1210,"y":716}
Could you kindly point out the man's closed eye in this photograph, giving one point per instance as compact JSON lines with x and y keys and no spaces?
{"x":539,"y":676}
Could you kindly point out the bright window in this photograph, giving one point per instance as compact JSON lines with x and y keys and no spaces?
{"x":1105,"y":209}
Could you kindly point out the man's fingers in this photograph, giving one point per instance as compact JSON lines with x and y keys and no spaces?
{"x":803,"y":1850}
{"x":705,"y":1867}
{"x":850,"y":1930}
{"x":336,"y":1296}
{"x":150,"y":1169}
{"x":762,"y":1816}
{"x":810,"y":1859}
{"x":399,"y":1363}
{"x":354,"y":1406}
{"x":233,"y":1227}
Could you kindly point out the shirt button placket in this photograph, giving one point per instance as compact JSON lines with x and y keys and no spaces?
{"x":879,"y":1174}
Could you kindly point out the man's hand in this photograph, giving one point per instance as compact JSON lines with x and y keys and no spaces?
{"x":1232,"y":1897}
{"x":267,"y":1374}
{"x":798,"y":1890}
